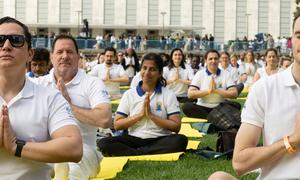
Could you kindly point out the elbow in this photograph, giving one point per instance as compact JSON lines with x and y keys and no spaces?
{"x":77,"y":156}
{"x":106,"y":122}
{"x":117,"y":126}
{"x":239,"y":168}
{"x":190,"y":95}
{"x":77,"y":152}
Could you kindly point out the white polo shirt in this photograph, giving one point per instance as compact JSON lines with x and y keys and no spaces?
{"x":234,"y":73}
{"x":116,"y":71}
{"x":85,"y":92}
{"x":136,"y":79}
{"x":178,"y":88}
{"x":130,"y":70}
{"x":272,"y":104}
{"x":35,"y":113}
{"x":163,"y":103}
{"x":202,"y":80}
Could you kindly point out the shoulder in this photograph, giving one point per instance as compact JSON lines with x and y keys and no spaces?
{"x":41,"y":91}
{"x":43,"y":80}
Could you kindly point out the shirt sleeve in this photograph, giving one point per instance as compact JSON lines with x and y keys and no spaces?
{"x":172,"y":104}
{"x":124,"y":108}
{"x":190,"y":73}
{"x":165,"y":72}
{"x":253,"y":110}
{"x":196,"y":80}
{"x":230,"y":81}
{"x":60,"y":113}
{"x":97,"y":93}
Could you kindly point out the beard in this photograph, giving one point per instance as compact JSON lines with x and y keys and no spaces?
{"x":109,"y":62}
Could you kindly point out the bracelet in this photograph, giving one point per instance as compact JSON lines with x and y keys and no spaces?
{"x":287,"y":145}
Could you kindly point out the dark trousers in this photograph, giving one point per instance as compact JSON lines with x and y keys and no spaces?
{"x":127,"y":145}
{"x":195,"y":111}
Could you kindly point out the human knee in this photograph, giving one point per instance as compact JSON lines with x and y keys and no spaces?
{"x":220,"y":175}
{"x":186,"y":108}
{"x":104,"y":144}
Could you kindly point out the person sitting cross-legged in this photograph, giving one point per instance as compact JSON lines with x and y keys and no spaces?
{"x":210,"y":86}
{"x":151,"y":114}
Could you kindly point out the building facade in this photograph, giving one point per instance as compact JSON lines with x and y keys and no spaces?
{"x":225,"y":19}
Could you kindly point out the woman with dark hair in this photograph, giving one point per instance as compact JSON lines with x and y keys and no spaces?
{"x":178,"y":74}
{"x":131,"y":63}
{"x":271,"y":65}
{"x":250,"y":68}
{"x":151,"y":114}
{"x":210,"y":87}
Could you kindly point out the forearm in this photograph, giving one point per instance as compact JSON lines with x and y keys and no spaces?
{"x":100,"y":117}
{"x":255,"y":157}
{"x":185,"y":81}
{"x":125,"y":123}
{"x":226,"y":93}
{"x":165,"y":123}
{"x":64,"y":149}
{"x":120,"y":80}
{"x":170,"y":81}
{"x":197,"y":94}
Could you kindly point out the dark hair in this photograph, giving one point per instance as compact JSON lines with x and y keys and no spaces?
{"x":64,"y":36}
{"x":252,"y":53}
{"x":211,"y":51}
{"x":171,"y":63}
{"x":271,"y":49}
{"x":225,"y":52}
{"x":159,"y":63}
{"x":41,"y":54}
{"x":26,"y":32}
{"x":110,"y":49}
{"x":296,"y":15}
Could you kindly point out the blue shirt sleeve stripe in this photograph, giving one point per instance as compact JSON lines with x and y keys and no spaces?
{"x":121,"y":113}
{"x":177,"y":112}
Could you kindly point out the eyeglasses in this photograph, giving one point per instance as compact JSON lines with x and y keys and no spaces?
{"x":15,"y":40}
{"x":120,"y":54}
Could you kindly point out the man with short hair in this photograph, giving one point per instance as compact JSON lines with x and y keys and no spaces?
{"x":88,"y":98}
{"x":271,"y":110}
{"x":112,"y":74}
{"x":39,"y":63}
{"x":36,"y":124}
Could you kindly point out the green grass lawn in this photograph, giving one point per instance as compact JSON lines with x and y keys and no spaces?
{"x":189,"y":166}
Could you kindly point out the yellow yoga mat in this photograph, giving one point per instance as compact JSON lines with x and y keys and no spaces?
{"x":188,"y":131}
{"x":188,"y":120}
{"x":110,"y":166}
{"x":193,"y":144}
{"x":156,"y":157}
{"x":242,"y":98}
{"x":245,"y":90}
{"x":124,"y":87}
{"x":116,"y":101}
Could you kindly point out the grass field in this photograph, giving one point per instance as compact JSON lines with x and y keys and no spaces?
{"x":189,"y":167}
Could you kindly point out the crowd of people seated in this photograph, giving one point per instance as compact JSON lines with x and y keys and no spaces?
{"x":148,"y":112}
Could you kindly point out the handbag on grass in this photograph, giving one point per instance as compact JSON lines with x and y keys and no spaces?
{"x":226,"y":115}
{"x":225,"y":142}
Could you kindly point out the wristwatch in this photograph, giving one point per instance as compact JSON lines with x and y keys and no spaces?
{"x":20,"y":144}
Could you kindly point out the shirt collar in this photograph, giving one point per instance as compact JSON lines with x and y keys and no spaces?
{"x":28,"y":89}
{"x":75,"y":80}
{"x":141,"y":92}
{"x":209,"y":73}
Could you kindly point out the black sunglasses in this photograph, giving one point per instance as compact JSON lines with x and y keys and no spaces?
{"x":14,"y":39}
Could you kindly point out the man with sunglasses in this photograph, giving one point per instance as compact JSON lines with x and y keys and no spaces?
{"x":36,"y":124}
{"x":89,"y":102}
